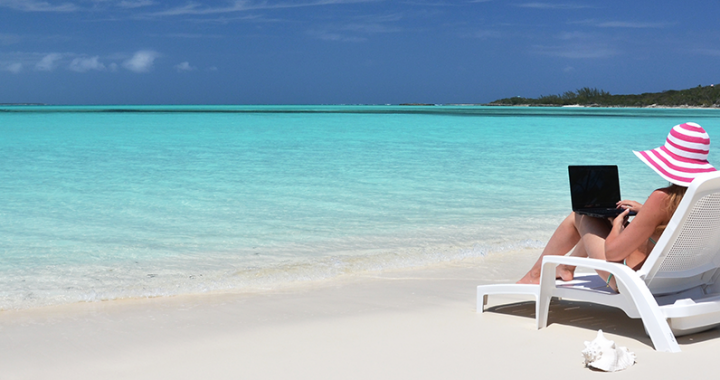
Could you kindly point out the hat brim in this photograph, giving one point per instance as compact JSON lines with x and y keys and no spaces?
{"x":673,"y":168}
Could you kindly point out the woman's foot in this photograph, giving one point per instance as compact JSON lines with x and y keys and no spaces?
{"x":562,"y":272}
{"x":565,"y":272}
{"x":532,"y":277}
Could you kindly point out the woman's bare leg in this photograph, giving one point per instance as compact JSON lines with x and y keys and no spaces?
{"x":593,"y":232}
{"x":567,"y":272}
{"x":585,"y":233}
{"x":565,"y":237}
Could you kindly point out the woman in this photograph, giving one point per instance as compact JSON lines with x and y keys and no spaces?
{"x":680,"y":160}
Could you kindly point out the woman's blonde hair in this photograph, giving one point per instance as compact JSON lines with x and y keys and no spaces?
{"x":675,"y":195}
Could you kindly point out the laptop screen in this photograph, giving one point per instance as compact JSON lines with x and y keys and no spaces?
{"x":594,"y":186}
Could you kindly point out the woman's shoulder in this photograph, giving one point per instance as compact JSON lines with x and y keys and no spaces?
{"x":671,"y":194}
{"x":662,"y":192}
{"x":670,"y":191}
{"x":658,"y":200}
{"x":661,"y":202}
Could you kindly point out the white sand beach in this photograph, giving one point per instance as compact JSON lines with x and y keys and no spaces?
{"x":419,"y":324}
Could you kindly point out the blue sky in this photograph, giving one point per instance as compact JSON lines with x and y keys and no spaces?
{"x":345,"y":51}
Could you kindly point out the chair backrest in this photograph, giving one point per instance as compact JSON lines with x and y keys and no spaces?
{"x":687,"y":254}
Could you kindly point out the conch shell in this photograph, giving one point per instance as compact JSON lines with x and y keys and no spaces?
{"x":602,"y":354}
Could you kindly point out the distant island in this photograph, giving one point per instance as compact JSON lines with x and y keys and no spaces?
{"x":700,"y":96}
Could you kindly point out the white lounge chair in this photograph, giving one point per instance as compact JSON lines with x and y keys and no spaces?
{"x":677,"y":290}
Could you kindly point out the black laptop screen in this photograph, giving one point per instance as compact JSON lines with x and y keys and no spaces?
{"x":594,"y":186}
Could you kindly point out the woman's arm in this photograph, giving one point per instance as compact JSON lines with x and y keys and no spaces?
{"x":622,"y":241}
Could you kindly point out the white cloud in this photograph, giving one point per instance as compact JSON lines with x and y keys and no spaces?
{"x":370,"y":28}
{"x":135,"y":4}
{"x":353,"y":32}
{"x":632,"y":24}
{"x":83,"y":64}
{"x":330,"y":36}
{"x":426,"y":3}
{"x":576,"y":51}
{"x":247,"y":5}
{"x":48,"y":62}
{"x":483,"y":34}
{"x":575,"y":36}
{"x":14,"y":67}
{"x":38,"y":6}
{"x":553,"y":6}
{"x":622,"y":24}
{"x":142,"y":61}
{"x":184,"y":66}
{"x":193,"y":35}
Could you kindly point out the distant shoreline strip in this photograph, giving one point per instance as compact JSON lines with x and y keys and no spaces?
{"x":376,"y":109}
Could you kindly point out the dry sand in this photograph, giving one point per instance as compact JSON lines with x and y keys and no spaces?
{"x":414,"y":324}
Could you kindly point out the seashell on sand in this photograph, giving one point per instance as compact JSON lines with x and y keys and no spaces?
{"x":602,"y":354}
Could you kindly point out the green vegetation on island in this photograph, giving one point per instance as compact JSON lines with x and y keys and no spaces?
{"x":700,"y":96}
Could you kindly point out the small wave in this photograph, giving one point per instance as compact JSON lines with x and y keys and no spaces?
{"x":63,"y":285}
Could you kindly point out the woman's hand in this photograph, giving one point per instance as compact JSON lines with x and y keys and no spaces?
{"x":620,"y":222}
{"x":630,"y":205}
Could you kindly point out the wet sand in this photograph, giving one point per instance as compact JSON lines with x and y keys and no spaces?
{"x":419,"y":324}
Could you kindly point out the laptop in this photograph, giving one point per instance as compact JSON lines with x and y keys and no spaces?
{"x":595,"y":190}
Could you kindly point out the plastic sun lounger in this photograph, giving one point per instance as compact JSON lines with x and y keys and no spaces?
{"x":677,"y":290}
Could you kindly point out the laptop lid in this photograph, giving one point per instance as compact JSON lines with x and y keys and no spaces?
{"x":594,"y":186}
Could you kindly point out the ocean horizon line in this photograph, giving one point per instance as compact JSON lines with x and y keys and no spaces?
{"x":418,"y":109}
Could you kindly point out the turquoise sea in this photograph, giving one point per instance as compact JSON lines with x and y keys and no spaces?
{"x":110,"y":202}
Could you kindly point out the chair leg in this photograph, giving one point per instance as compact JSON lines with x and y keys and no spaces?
{"x":542,"y":308}
{"x":662,"y":337}
{"x":547,"y":288}
{"x":652,"y":317}
{"x":481,"y":302}
{"x":657,"y":327}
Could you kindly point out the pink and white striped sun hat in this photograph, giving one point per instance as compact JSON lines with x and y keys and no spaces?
{"x":684,"y":155}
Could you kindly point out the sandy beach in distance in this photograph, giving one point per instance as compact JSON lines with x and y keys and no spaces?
{"x":419,"y":324}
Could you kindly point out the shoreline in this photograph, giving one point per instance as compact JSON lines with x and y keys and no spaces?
{"x":419,"y":323}
{"x":653,"y":106}
{"x":155,"y":282}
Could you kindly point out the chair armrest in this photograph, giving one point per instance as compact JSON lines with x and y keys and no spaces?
{"x":623,"y":274}
{"x":585,"y":262}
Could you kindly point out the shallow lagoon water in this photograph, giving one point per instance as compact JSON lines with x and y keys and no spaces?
{"x":137,"y":201}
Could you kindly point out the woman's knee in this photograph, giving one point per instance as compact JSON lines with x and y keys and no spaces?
{"x":570,"y":219}
{"x":589,"y":224}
